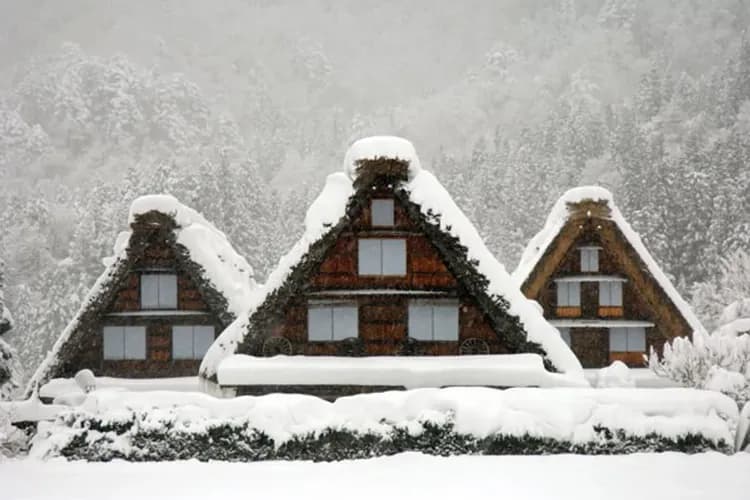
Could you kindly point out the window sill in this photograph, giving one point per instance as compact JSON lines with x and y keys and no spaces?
{"x":568,"y":312}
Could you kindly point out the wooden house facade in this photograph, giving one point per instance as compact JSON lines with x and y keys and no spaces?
{"x":155,"y":310}
{"x":599,"y":286}
{"x":384,"y":278}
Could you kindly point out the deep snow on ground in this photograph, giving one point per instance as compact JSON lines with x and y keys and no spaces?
{"x":409,"y":475}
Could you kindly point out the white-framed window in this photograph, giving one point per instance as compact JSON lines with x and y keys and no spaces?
{"x":382,"y":212}
{"x":433,"y":320}
{"x":627,"y":339}
{"x":589,"y":259}
{"x":382,"y":257}
{"x":158,"y":291}
{"x":328,"y":322}
{"x":191,"y":342}
{"x":124,"y":342}
{"x":568,"y":294}
{"x":610,"y":293}
{"x":564,"y":334}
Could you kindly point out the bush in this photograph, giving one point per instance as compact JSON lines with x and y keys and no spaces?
{"x":96,"y":440}
{"x":719,"y":363}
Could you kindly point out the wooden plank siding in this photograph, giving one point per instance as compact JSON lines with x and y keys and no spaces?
{"x":382,"y":316}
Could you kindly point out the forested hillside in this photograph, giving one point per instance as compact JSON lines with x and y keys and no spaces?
{"x":241,"y":109}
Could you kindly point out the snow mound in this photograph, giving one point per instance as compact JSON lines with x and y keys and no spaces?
{"x":383,"y":146}
{"x":735,"y":319}
{"x":500,"y":370}
{"x":615,"y":375}
{"x":557,"y":218}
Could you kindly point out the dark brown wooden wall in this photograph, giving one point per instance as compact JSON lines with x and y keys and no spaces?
{"x":383,"y":319}
{"x":158,"y":363}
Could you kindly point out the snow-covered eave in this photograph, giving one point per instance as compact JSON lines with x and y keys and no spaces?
{"x":94,"y":294}
{"x":559,"y":216}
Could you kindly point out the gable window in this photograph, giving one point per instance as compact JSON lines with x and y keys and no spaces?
{"x":589,"y":259}
{"x":627,"y":339}
{"x":191,"y":342}
{"x":158,"y":291}
{"x":328,"y":322}
{"x":382,"y":212}
{"x":610,"y":293}
{"x":124,"y":342}
{"x":568,"y":294}
{"x":433,"y":320}
{"x":382,"y":257}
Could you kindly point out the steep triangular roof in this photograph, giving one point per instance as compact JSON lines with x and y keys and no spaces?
{"x":223,"y":277}
{"x":430,"y":206}
{"x":539,"y":249}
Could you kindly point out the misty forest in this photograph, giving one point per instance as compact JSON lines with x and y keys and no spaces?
{"x":241,"y":109}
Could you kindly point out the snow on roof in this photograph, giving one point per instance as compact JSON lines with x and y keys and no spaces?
{"x":227,"y":271}
{"x":557,"y":219}
{"x":495,"y":370}
{"x":434,"y":201}
{"x":382,"y":146}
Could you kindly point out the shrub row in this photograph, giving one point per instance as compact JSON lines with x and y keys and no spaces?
{"x":95,"y":440}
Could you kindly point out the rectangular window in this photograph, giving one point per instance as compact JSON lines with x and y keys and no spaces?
{"x":610,"y":293}
{"x":589,"y":260}
{"x":627,"y":339}
{"x":382,"y":257}
{"x":433,"y":320}
{"x":191,"y":342}
{"x":331,"y":322}
{"x":565,"y":334}
{"x":382,"y":213}
{"x":124,"y":342}
{"x":158,"y":291}
{"x":568,"y":294}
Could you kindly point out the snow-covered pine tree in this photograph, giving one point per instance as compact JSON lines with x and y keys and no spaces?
{"x":10,"y":367}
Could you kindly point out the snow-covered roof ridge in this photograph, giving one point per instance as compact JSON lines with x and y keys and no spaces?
{"x":434,"y":202}
{"x":221,"y":266}
{"x":381,"y":147}
{"x":559,"y":216}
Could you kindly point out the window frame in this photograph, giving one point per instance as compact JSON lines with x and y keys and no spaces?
{"x":391,"y":210}
{"x":122,"y":332}
{"x":434,"y":304}
{"x":377,"y":244}
{"x":628,"y":332}
{"x":565,"y":334}
{"x":568,"y":285}
{"x":607,"y":292}
{"x":194,"y":329}
{"x":589,"y":259}
{"x":332,"y":307}
{"x":160,"y":305}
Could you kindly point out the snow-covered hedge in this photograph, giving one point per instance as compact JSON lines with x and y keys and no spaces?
{"x":171,"y":426}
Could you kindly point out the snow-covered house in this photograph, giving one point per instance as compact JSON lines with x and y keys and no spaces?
{"x":599,"y":285}
{"x":173,"y":284}
{"x":390,"y":286}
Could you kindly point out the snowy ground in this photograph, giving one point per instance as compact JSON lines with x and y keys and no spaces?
{"x":411,"y":475}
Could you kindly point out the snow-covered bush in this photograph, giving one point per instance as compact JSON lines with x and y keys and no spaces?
{"x":717,"y":362}
{"x":174,"y":426}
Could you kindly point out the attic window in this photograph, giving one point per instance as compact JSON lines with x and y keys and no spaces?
{"x":610,"y":293}
{"x":589,"y":259}
{"x":382,"y":212}
{"x":382,"y":257}
{"x":569,"y":294}
{"x":158,"y":291}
